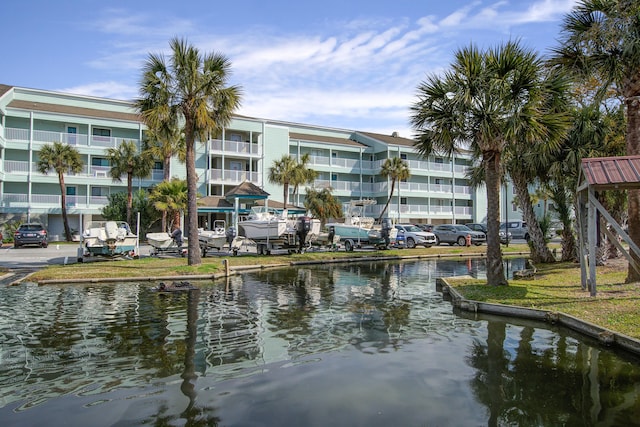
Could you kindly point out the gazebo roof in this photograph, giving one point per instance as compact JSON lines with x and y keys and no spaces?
{"x":612,"y":173}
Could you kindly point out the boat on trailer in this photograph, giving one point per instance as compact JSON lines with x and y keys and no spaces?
{"x":108,"y":239}
{"x":359,"y":230}
{"x":219,"y":238}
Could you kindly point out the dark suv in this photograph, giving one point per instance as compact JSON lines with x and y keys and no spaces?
{"x":30,"y":234}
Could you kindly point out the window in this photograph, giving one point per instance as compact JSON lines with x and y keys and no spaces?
{"x":403,"y":200}
{"x":334,"y":177}
{"x":99,"y":191}
{"x":71,"y":191}
{"x":235,"y":166}
{"x":158,"y":166}
{"x":235,"y":137}
{"x":439,"y":181}
{"x":439,"y":160}
{"x":403,"y":156}
{"x":101,"y":132}
{"x":99,"y":161}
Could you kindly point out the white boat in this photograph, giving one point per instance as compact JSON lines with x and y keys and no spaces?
{"x":164,"y":243}
{"x":264,"y":224}
{"x":358,"y":229}
{"x":220,"y":237}
{"x":109,"y":238}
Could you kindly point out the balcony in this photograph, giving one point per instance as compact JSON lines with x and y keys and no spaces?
{"x":17,"y":200}
{"x":235,"y":147}
{"x":75,"y":139}
{"x":226,"y":176}
{"x":17,"y":167}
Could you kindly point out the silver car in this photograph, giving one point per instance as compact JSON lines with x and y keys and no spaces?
{"x":414,"y":236}
{"x":457,"y":234}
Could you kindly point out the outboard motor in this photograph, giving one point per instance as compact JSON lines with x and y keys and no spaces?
{"x":303,"y":226}
{"x":230,"y":234}
{"x":332,"y":234}
{"x":385,"y":231}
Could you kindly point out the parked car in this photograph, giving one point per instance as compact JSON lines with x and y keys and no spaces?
{"x":414,"y":236}
{"x":518,"y":229}
{"x":425,"y":227}
{"x":30,"y":234}
{"x":457,"y":233}
{"x":505,"y":237}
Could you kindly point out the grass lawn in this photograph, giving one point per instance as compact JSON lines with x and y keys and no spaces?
{"x":556,"y":287}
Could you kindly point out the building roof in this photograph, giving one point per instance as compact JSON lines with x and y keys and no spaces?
{"x":4,"y":89}
{"x":246,"y":190}
{"x":622,"y":172}
{"x":321,"y":138}
{"x":390,"y":139}
{"x":71,"y":110}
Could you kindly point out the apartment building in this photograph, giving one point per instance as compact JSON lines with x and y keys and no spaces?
{"x":348,"y":161}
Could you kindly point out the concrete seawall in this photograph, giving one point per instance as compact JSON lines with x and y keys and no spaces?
{"x":603,"y":335}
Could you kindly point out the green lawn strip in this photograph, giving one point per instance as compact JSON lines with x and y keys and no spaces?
{"x":556,"y":287}
{"x":171,"y":266}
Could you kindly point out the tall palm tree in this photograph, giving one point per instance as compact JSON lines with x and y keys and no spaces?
{"x":60,"y":158}
{"x":170,"y":197}
{"x":165,"y":142}
{"x":396,"y":169}
{"x":126,"y":160}
{"x":190,"y":90}
{"x":287,"y":171}
{"x":602,"y":37}
{"x":303,"y":174}
{"x":488,"y":100}
{"x":322,"y":204}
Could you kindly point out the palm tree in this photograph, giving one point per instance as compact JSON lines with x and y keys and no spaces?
{"x":191,"y":90}
{"x":396,"y":169}
{"x":322,"y":204}
{"x":288,"y":171}
{"x":126,"y":160}
{"x":302,"y":174}
{"x":163,"y":143}
{"x":170,"y":197}
{"x":61,"y":158}
{"x":487,"y":102}
{"x":602,"y":37}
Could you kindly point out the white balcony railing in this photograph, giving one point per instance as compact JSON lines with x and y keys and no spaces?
{"x":22,"y":200}
{"x":76,"y":139}
{"x":226,"y":176}
{"x":235,"y":147}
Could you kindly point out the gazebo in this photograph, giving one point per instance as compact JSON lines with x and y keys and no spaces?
{"x":598,"y":174}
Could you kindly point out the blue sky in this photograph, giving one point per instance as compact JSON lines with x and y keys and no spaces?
{"x":349,"y":64}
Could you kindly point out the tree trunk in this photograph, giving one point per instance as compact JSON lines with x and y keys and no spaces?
{"x":540,"y":253}
{"x":166,"y":175}
{"x":194,"y":257}
{"x":285,"y":195}
{"x":568,"y":243}
{"x":495,"y":269}
{"x":129,"y":196}
{"x":633,"y":148}
{"x":63,"y":207}
{"x":393,"y":187}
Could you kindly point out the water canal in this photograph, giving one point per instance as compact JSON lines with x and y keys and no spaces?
{"x":343,"y":345}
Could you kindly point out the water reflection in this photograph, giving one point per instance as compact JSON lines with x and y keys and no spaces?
{"x":364,"y":343}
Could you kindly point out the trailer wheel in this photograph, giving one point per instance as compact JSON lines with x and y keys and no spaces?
{"x":348,"y":246}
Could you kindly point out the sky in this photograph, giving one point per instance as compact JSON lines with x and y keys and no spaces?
{"x":345,"y":64}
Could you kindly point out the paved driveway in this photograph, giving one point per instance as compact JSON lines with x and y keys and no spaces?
{"x":34,"y":257}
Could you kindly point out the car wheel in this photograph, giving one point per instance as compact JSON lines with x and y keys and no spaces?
{"x":527,"y":237}
{"x":411,"y":243}
{"x":437,"y":241}
{"x":16,"y":245}
{"x":44,"y":244}
{"x":462,"y":241}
